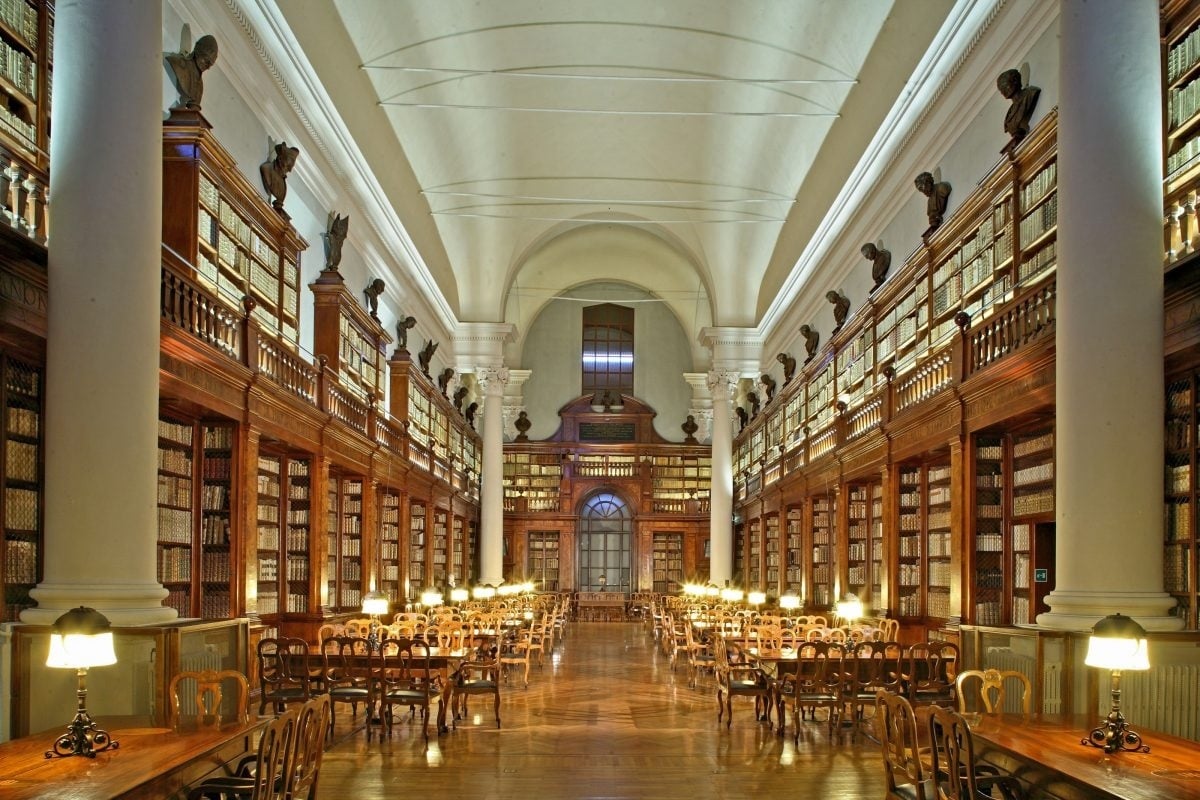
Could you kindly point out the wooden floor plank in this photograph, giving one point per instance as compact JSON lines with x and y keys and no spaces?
{"x":605,"y":718}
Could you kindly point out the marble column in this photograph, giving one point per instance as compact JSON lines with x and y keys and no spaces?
{"x":1109,"y":380}
{"x":722,"y":385}
{"x":103,"y":324}
{"x":491,"y":381}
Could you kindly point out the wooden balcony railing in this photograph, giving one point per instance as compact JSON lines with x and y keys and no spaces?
{"x":1027,"y":319}
{"x":929,"y":377}
{"x":24,"y":191}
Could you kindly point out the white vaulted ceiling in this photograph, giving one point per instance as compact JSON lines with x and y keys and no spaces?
{"x":714,"y":134}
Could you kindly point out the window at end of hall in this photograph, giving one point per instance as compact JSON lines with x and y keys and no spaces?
{"x":608,"y":349}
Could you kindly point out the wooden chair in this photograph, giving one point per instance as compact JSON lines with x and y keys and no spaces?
{"x":738,"y":677}
{"x":283,"y":673}
{"x":700,"y":654}
{"x":312,"y":725}
{"x":516,"y":652}
{"x":928,"y":670}
{"x":818,"y":682}
{"x":891,"y":629}
{"x":991,"y":690}
{"x":954,"y":771}
{"x":407,"y":680}
{"x":206,"y":707}
{"x":265,"y":776}
{"x":896,"y":727}
{"x":872,"y":667}
{"x":348,"y":674}
{"x":479,"y":676}
{"x":360,"y":627}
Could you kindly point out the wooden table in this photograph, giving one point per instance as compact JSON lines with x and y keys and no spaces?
{"x":151,"y":763}
{"x":1045,"y":753}
{"x":605,"y":605}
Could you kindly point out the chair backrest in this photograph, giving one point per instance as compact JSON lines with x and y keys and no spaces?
{"x":200,"y":698}
{"x":357,"y":627}
{"x":342,"y":668}
{"x":282,"y":663}
{"x":931,"y":665}
{"x":896,"y":727}
{"x":308,"y":748}
{"x":405,"y":662}
{"x":952,"y":756}
{"x":820,"y":667}
{"x":275,"y":751}
{"x":991,"y":690}
{"x":891,"y":629}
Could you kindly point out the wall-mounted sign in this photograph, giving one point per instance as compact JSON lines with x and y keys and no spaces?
{"x":1041,"y":575}
{"x":607,"y":431}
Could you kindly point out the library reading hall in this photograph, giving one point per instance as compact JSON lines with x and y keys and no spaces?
{"x":575,"y":399}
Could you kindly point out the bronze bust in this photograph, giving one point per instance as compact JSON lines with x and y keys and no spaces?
{"x":841,"y":308}
{"x":403,"y":326}
{"x":811,"y":339}
{"x":1024,"y":100}
{"x":938,"y":194}
{"x":371,"y":293}
{"x":274,"y":175}
{"x":881,"y":262}
{"x":338,"y":229}
{"x":188,"y":70}
{"x":789,"y":366}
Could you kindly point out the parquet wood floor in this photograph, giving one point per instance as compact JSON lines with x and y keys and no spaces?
{"x":604,"y":718}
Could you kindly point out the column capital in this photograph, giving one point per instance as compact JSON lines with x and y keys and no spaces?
{"x":492,"y":380}
{"x":722,"y":383}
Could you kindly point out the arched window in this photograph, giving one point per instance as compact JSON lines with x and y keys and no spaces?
{"x":607,"y":349}
{"x":605,"y":536}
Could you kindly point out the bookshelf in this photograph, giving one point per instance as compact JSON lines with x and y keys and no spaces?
{"x":1179,"y":494}
{"x":824,"y":547}
{"x":794,"y":550}
{"x":235,"y":243}
{"x":26,"y":46}
{"x":938,"y":540}
{"x":297,"y":506}
{"x":532,"y":481}
{"x":176,"y":482}
{"x":875,"y":542}
{"x":667,"y":561}
{"x":217,"y":560}
{"x":771,"y":547}
{"x":988,"y":536}
{"x":1038,"y":224}
{"x":544,"y":559}
{"x":755,"y":558}
{"x":739,"y":551}
{"x":345,"y":333}
{"x":389,"y":544}
{"x":861,"y":516}
{"x":344,"y":572}
{"x":441,"y":547}
{"x":677,"y":479}
{"x":22,"y":485}
{"x":1181,"y":36}
{"x":908,"y":562}
{"x":1033,"y":473}
{"x":461,"y":569}
{"x":471,"y":574}
{"x":417,"y":546}
{"x":269,"y":503}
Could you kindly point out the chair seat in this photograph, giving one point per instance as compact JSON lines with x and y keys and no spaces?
{"x":480,"y":684}
{"x":349,"y":691}
{"x":740,"y":685}
{"x":402,"y":695}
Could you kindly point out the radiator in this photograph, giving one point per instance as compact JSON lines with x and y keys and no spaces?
{"x":1003,"y":658}
{"x":1164,"y":698}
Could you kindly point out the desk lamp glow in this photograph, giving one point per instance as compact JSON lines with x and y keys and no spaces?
{"x":79,"y":639}
{"x":1117,"y":643}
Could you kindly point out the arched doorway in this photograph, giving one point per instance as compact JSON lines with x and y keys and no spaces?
{"x":605,"y":544}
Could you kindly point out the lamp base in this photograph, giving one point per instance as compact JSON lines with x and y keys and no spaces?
{"x":82,"y":738}
{"x":1114,"y":735}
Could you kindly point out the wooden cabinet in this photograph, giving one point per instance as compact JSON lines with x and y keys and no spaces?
{"x":352,"y":341}
{"x":389,"y":545}
{"x":823,"y":524}
{"x":754,"y":559}
{"x":235,"y":243}
{"x":344,"y":571}
{"x":1180,"y":495}
{"x":771,"y":546}
{"x":417,"y":548}
{"x":987,"y":538}
{"x":864,"y":542}
{"x":26,"y":47}
{"x":532,"y":481}
{"x":21,"y":559}
{"x":794,"y":550}
{"x":543,"y":567}
{"x":284,"y":507}
{"x":197,"y":562}
{"x":667,"y":562}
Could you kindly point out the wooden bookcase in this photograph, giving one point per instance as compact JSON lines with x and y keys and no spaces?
{"x":864,"y":531}
{"x":344,"y":572}
{"x":667,"y":561}
{"x":543,"y":562}
{"x":739,"y":551}
{"x":417,"y":548}
{"x":771,"y":546}
{"x":754,"y":559}
{"x":26,"y":47}
{"x":196,"y":560}
{"x":909,"y":541}
{"x":823,"y":524}
{"x":352,"y":341}
{"x":236,"y":243}
{"x":794,"y":550}
{"x":460,"y":566}
{"x":22,"y":484}
{"x":938,"y":540}
{"x":878,"y":601}
{"x":284,"y":526}
{"x":389,"y":545}
{"x":532,"y":481}
{"x":1179,"y":553}
{"x":923,"y":569}
{"x":441,"y":563}
{"x":987,"y":539}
